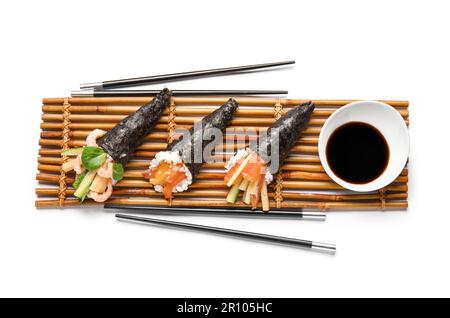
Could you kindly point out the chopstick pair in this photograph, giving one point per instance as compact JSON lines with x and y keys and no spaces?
{"x":324,"y":247}
{"x":226,"y":212}
{"x":106,"y":88}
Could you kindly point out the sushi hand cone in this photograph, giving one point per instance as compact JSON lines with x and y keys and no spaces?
{"x":217,"y":120}
{"x":284,"y":133}
{"x":184,"y":151}
{"x":122,"y":140}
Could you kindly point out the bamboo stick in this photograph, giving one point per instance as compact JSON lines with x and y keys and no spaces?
{"x":49,"y":152}
{"x":163,"y":146}
{"x":311,"y":130}
{"x":50,"y":160}
{"x":398,"y":205}
{"x":305,"y":175}
{"x":223,"y":194}
{"x":236,"y":121}
{"x":220,"y":175}
{"x":205,"y":110}
{"x":342,"y":197}
{"x":244,"y":101}
{"x":107,"y":126}
{"x":219,"y":184}
{"x":208,"y":165}
{"x":151,"y":154}
{"x":52,"y":178}
{"x":230,"y":135}
{"x":309,"y":159}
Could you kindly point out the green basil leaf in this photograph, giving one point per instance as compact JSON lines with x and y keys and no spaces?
{"x":78,"y":180}
{"x":93,"y":157}
{"x":117,"y":171}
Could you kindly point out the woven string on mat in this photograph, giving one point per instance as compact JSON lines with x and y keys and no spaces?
{"x":382,"y":193}
{"x":278,"y":111}
{"x":65,"y":146}
{"x":171,"y":126}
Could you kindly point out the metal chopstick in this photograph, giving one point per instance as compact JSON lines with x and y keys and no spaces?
{"x":180,"y":76}
{"x":325,"y":247}
{"x":178,"y":92}
{"x":319,"y":216}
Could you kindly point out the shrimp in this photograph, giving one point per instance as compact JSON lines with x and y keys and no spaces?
{"x":91,"y":139}
{"x":106,"y":170}
{"x":101,"y":197}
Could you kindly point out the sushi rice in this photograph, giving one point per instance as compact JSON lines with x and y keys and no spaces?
{"x":172,"y":157}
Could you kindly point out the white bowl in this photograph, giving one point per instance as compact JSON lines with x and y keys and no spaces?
{"x":388,"y":121}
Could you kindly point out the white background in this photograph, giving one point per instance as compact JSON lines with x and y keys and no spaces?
{"x":343,"y":49}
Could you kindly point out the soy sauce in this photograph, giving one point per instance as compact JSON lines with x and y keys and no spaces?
{"x":357,"y":152}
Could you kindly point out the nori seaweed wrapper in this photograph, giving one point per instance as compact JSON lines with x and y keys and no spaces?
{"x":289,"y":127}
{"x":218,"y":119}
{"x":121,"y":141}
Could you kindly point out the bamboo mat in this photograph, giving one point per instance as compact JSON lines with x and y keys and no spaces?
{"x":302,"y":182}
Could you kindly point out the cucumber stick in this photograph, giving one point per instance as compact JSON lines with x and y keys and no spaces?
{"x":83,"y":188}
{"x":233,"y":194}
{"x":73,"y":151}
